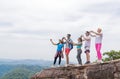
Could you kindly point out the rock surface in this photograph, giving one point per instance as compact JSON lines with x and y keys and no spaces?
{"x":108,"y":70}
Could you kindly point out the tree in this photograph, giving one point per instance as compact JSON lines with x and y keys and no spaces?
{"x":111,"y":55}
{"x":22,"y":72}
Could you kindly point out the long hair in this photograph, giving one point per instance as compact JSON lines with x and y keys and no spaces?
{"x":81,"y":40}
{"x":61,"y":41}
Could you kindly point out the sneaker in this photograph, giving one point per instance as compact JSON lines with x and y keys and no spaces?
{"x":88,"y":62}
{"x":78,"y":65}
{"x":53,"y":66}
{"x":66,"y":65}
{"x":99,"y":61}
{"x":58,"y":66}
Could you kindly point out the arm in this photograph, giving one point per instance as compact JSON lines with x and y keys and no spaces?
{"x":62,"y":52}
{"x":77,"y":44}
{"x":96,"y":33}
{"x":53,"y":42}
{"x":63,"y":40}
{"x":67,"y":40}
{"x":92,"y":35}
{"x":63,"y":49}
{"x":82,"y":38}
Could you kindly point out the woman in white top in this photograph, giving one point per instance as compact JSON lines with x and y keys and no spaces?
{"x":87,"y":40}
{"x":98,"y":42}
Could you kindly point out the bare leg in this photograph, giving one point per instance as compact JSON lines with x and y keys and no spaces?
{"x":88,"y":56}
{"x":67,"y":59}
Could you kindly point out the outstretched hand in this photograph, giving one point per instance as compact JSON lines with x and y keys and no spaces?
{"x":81,"y":36}
{"x":50,"y":39}
{"x":91,"y":31}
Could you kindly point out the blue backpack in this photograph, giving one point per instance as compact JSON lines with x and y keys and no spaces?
{"x":71,"y":46}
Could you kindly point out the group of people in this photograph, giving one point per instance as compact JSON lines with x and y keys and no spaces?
{"x":67,"y":41}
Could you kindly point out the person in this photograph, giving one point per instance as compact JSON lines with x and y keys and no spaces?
{"x":69,"y":46}
{"x":79,"y":50}
{"x":87,"y":40}
{"x":59,"y":53}
{"x":98,"y":42}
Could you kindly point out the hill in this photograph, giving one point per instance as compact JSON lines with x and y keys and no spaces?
{"x":11,"y":68}
{"x":22,"y":72}
{"x":26,"y":62}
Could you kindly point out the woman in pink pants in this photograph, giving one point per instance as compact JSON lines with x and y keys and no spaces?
{"x":98,"y":42}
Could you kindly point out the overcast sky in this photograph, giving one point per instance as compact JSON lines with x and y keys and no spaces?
{"x":27,"y":25}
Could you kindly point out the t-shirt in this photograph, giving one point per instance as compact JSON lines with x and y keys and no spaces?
{"x":98,"y":38}
{"x":79,"y":46}
{"x":68,"y":43}
{"x":87,"y":42}
{"x":60,"y":46}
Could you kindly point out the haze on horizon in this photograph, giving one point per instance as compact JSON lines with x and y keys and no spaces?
{"x":27,"y":25}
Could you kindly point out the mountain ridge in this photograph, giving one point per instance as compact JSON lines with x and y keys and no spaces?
{"x":25,"y":62}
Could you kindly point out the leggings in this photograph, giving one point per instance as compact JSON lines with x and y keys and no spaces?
{"x":55,"y":59}
{"x":98,"y":48}
{"x":79,"y":51}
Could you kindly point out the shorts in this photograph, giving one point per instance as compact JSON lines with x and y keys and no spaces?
{"x":67,"y":51}
{"x":87,"y":49}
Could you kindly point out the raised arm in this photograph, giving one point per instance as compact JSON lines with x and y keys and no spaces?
{"x":95,"y":32}
{"x":92,"y":35}
{"x":53,"y":42}
{"x":77,"y":44}
{"x":63,"y":40}
{"x":67,"y":40}
{"x":82,"y":37}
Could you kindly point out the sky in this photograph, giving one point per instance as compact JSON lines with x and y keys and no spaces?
{"x":27,"y":25}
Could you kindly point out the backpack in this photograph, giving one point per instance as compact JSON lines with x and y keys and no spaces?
{"x":71,"y":46}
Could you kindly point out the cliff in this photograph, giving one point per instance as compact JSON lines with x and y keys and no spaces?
{"x":108,"y":70}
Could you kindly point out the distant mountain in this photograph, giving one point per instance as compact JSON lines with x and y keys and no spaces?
{"x":25,"y":62}
{"x":19,"y":71}
{"x":7,"y":65}
{"x":5,"y":68}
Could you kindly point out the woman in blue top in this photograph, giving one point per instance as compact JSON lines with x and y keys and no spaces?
{"x":59,"y":53}
{"x":79,"y":50}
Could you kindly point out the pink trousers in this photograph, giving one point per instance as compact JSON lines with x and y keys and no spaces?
{"x":98,"y":48}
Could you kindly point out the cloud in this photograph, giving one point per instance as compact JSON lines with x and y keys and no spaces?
{"x":105,"y":7}
{"x":27,"y":25}
{"x":5,"y":24}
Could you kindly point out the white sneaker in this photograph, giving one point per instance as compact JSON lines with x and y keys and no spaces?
{"x":53,"y":66}
{"x":78,"y":65}
{"x":66,"y":65}
{"x":58,"y":66}
{"x":99,"y":61}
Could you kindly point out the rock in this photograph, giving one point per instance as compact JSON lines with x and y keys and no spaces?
{"x":108,"y":70}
